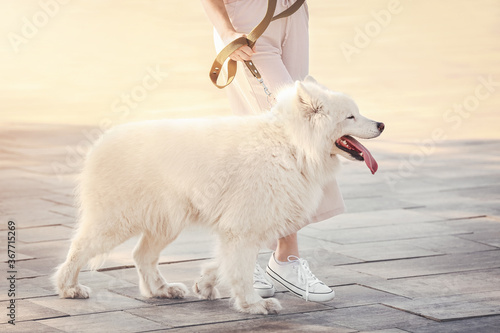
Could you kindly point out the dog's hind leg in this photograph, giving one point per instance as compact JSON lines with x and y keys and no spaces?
{"x":88,"y":243}
{"x":237,"y":262}
{"x":205,"y":286}
{"x":151,"y":282}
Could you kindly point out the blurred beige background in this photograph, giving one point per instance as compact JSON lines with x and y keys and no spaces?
{"x":74,"y":62}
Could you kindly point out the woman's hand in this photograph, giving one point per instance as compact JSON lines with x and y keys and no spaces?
{"x":244,"y":53}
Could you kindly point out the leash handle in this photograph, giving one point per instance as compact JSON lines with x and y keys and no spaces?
{"x":250,"y":41}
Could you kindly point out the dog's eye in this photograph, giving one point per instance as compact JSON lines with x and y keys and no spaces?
{"x":350,"y":117}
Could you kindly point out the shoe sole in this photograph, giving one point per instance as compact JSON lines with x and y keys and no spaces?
{"x":313,"y":297}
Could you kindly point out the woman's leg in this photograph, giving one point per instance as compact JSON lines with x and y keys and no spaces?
{"x":287,"y":246}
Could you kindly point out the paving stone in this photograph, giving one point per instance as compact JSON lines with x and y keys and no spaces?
{"x":27,"y":310}
{"x":342,"y":275}
{"x":302,"y":322}
{"x":484,"y":230}
{"x":440,"y":285}
{"x":488,"y":223}
{"x":444,"y":199}
{"x":42,"y":286}
{"x":36,"y":267}
{"x":431,"y":265}
{"x":26,"y":273}
{"x":14,"y":205}
{"x":451,"y":307}
{"x":19,"y":256}
{"x":20,"y":188}
{"x":217,"y":311}
{"x":388,"y":330}
{"x":373,"y":317}
{"x":450,"y":205}
{"x":47,"y":218}
{"x":356,"y":295}
{"x":55,"y":250}
{"x":52,"y":167}
{"x":405,"y":188}
{"x":28,"y":326}
{"x":100,"y":301}
{"x":461,"y":212}
{"x":465,"y":180}
{"x":321,"y":256}
{"x":42,"y":234}
{"x":383,"y":233}
{"x":449,"y":244}
{"x":487,"y":193}
{"x":374,"y":204}
{"x":387,"y":250}
{"x":99,"y":281}
{"x":485,"y":237}
{"x":60,"y":199}
{"x":27,"y":288}
{"x":117,"y":321}
{"x":67,"y":211}
{"x":371,"y":218}
{"x":192,"y":313}
{"x":457,"y":212}
{"x":134,"y":292}
{"x":480,"y":325}
{"x":37,"y":216}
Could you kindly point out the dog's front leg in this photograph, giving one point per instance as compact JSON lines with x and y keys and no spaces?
{"x":236,"y":265}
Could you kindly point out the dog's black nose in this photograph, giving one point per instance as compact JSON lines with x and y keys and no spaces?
{"x":380,"y":127}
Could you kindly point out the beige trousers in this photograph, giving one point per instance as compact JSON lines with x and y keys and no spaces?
{"x":282,"y":57}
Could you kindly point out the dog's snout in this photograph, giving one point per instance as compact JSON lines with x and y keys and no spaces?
{"x":380,"y":127}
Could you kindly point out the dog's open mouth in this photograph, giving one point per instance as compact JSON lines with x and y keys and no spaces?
{"x":354,"y":148}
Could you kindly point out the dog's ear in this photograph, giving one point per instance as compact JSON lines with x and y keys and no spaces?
{"x":309,"y":78}
{"x":305,"y":101}
{"x":303,"y":95}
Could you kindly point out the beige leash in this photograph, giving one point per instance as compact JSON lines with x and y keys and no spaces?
{"x":250,"y":41}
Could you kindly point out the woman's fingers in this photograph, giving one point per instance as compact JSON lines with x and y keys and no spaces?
{"x":247,"y":51}
{"x":244,"y":53}
{"x":235,"y":57}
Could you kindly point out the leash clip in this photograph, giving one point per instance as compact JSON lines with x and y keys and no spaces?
{"x":270,"y":97}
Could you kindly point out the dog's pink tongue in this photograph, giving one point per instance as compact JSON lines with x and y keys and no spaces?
{"x":369,"y":160}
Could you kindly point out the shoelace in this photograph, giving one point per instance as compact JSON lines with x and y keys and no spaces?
{"x":305,"y":275}
{"x":258,"y":276}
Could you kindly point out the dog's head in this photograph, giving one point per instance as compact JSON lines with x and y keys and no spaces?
{"x":326,"y":122}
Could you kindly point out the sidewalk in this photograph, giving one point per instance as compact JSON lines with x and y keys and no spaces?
{"x":419,"y":248}
{"x":422,"y":255}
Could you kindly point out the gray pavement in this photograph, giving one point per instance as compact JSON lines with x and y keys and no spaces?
{"x":417,"y":251}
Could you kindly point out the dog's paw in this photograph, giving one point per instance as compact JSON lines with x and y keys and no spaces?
{"x":78,"y":291}
{"x":205,"y":290}
{"x":171,"y":290}
{"x":265,"y":306}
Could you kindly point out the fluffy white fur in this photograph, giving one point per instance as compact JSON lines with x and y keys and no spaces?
{"x":250,"y":179}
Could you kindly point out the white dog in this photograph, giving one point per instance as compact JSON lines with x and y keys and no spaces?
{"x":250,"y":179}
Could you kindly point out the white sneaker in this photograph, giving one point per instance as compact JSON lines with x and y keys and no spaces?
{"x":296,"y":276}
{"x":261,"y":283}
